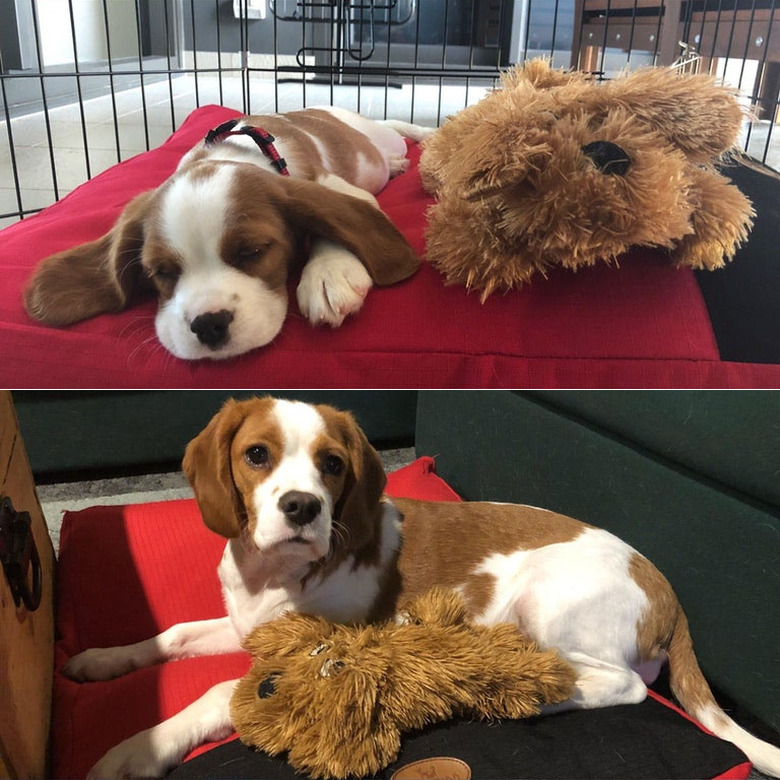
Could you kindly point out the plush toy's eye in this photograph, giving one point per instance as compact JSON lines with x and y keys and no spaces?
{"x":320,"y":647}
{"x":268,"y":686}
{"x":609,"y":158}
{"x":329,"y":668}
{"x":404,"y":618}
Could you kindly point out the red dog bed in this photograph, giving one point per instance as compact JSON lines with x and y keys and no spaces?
{"x":644,"y":325}
{"x":126,"y":573}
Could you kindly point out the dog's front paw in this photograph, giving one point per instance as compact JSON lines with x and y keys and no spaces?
{"x":98,"y":663}
{"x":138,"y":756}
{"x":334,"y":284}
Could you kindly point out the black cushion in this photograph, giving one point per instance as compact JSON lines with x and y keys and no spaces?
{"x":631,"y":742}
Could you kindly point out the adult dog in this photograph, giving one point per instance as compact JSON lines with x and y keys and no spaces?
{"x":298,"y":492}
{"x":217,"y":239}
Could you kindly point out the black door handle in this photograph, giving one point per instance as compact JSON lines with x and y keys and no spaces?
{"x":19,"y":554}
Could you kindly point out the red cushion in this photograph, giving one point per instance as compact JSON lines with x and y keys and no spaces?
{"x":642,"y":325}
{"x":126,"y":573}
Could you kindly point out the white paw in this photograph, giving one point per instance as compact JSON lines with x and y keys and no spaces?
{"x":98,"y":663}
{"x":398,"y":165}
{"x":334,"y":284}
{"x":142,"y":755}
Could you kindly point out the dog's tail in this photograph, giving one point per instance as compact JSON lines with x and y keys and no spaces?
{"x":692,"y":691}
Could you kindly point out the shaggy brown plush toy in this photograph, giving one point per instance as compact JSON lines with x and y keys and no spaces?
{"x":338,"y":697}
{"x":558,"y":169}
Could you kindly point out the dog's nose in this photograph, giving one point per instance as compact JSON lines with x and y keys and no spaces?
{"x":300,"y":508}
{"x":609,"y":158}
{"x":212,"y":328}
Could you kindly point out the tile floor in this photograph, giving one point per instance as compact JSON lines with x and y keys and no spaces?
{"x":419,"y":103}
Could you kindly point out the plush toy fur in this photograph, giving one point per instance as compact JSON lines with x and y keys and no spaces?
{"x":338,"y":697}
{"x":558,"y":169}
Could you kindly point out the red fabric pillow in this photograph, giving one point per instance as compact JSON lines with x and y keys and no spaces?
{"x":643,"y":325}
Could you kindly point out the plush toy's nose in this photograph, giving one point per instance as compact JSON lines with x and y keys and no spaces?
{"x":609,"y":158}
{"x":267,"y":687}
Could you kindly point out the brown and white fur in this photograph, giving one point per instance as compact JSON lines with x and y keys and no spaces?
{"x":297,"y":490}
{"x":216,"y":240}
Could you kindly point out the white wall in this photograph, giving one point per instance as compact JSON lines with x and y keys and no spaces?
{"x":55,"y":31}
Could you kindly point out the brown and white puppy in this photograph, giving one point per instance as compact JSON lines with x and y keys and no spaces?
{"x":217,"y":239}
{"x":297,"y":490}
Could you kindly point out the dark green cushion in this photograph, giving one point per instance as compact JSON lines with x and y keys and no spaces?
{"x":732,"y":438}
{"x":82,"y":432}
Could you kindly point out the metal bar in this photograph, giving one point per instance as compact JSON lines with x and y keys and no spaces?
{"x":555,"y":27}
{"x":305,"y":67}
{"x":141,"y":69}
{"x":276,"y":56}
{"x":102,"y":74}
{"x":631,"y":36}
{"x":46,"y":118}
{"x":219,"y":51}
{"x":78,"y":89}
{"x":717,"y":29}
{"x":243,"y":23}
{"x":22,"y":213}
{"x":195,"y":54}
{"x":14,"y":168}
{"x":731,"y":40}
{"x":168,"y":60}
{"x":111,"y":80}
{"x":247,"y":60}
{"x":443,"y":59}
{"x":387,"y":62}
{"x":603,"y":56}
{"x":416,"y":61}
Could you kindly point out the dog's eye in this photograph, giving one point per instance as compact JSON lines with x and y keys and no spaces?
{"x":319,"y":649}
{"x":257,"y":456}
{"x":167,"y":273}
{"x":332,"y":465}
{"x":249,"y":254}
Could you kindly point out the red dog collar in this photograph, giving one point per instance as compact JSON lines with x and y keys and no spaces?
{"x":263,"y":139}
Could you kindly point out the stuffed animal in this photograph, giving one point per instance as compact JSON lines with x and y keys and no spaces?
{"x":338,"y":697}
{"x":555,"y":168}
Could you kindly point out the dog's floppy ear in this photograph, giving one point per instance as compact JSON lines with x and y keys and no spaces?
{"x":365,"y":481}
{"x":93,"y":278}
{"x":352,"y":223}
{"x":207,"y":465}
{"x":694,"y":112}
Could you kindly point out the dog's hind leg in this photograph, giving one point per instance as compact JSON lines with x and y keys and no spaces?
{"x":153,"y":752}
{"x":600,"y":684}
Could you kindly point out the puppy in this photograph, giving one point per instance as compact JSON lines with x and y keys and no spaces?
{"x":216,"y":241}
{"x":298,"y":492}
